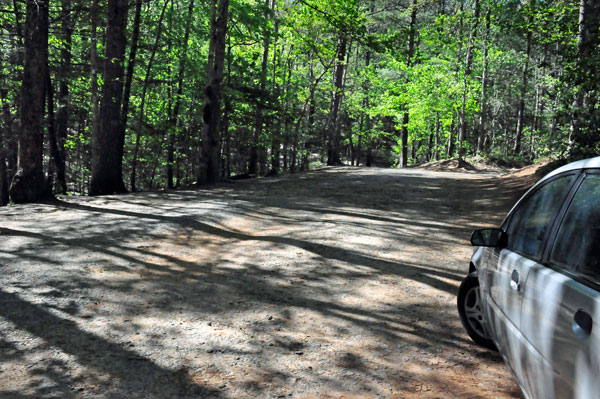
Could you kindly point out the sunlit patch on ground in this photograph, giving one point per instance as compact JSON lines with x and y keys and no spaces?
{"x":339,"y":283}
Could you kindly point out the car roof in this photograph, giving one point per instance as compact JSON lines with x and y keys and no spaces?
{"x":583,"y":164}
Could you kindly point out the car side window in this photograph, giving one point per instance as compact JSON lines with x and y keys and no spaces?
{"x":530,"y":222}
{"x":577,"y":245}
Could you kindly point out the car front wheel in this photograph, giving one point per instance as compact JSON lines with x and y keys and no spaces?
{"x":470,"y":310}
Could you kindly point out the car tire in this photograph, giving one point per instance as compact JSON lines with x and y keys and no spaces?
{"x":470,"y":310}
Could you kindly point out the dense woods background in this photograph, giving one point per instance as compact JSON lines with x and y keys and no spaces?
{"x":105,"y":96}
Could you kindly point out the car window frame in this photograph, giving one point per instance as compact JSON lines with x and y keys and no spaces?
{"x":556,"y":266}
{"x":569,"y":192}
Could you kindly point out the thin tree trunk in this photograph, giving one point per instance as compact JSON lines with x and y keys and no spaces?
{"x":524,"y":81}
{"x":28,"y":184}
{"x":140,"y":120}
{"x":228,"y":109}
{"x":450,"y":148}
{"x":286,"y":113}
{"x":95,"y":66}
{"x":482,"y":126}
{"x":3,"y":175}
{"x":436,"y":139}
{"x":256,"y":147}
{"x":367,"y":100}
{"x":409,"y":60}
{"x":6,"y":133}
{"x":174,"y":117}
{"x":468,"y":63}
{"x":585,"y":129}
{"x":209,"y":162}
{"x":129,"y":74}
{"x":107,"y":160}
{"x":276,"y":134}
{"x":333,"y":142}
{"x":62,"y":114}
{"x":56,"y":156}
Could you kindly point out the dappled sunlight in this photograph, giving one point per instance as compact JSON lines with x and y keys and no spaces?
{"x":233,"y":293}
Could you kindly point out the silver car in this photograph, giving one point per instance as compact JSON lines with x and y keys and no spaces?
{"x":533,"y":291}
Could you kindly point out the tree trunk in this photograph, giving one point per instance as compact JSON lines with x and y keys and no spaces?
{"x":4,"y":132}
{"x":3,"y":174}
{"x":256,"y":146}
{"x":57,"y":160}
{"x":129,"y":75}
{"x":521,"y":110}
{"x":451,"y":144}
{"x":462,"y":137}
{"x":482,"y":126}
{"x":140,"y":120}
{"x":28,"y":184}
{"x":585,"y":129}
{"x":174,"y":117}
{"x":333,"y":142}
{"x":228,"y":109}
{"x":209,"y":162}
{"x":436,"y":149}
{"x":95,"y":67}
{"x":276,"y":132}
{"x":409,"y":60}
{"x":62,"y":114}
{"x":107,"y":160}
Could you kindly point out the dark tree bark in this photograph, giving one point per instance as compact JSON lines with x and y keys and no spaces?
{"x":276,"y":133}
{"x":482,"y":126}
{"x":333,"y":141}
{"x":462,"y":135}
{"x":62,"y":114}
{"x":585,"y":123}
{"x":28,"y":184}
{"x":107,"y":160}
{"x":524,"y":82}
{"x":3,"y":170}
{"x":6,"y":133}
{"x":95,"y":68}
{"x":58,"y":161}
{"x":256,"y":147}
{"x":450,"y":148}
{"x":226,"y":172}
{"x":409,"y":61}
{"x":140,"y":120}
{"x":129,"y":75}
{"x":3,"y":173}
{"x":209,"y":162}
{"x":174,"y":117}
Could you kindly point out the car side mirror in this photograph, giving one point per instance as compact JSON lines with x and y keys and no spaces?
{"x":489,"y":238}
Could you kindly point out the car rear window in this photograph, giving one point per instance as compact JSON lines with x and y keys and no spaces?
{"x":577,"y":245}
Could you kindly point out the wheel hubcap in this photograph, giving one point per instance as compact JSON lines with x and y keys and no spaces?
{"x":474,"y":312}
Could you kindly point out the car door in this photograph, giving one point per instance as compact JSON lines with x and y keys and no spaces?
{"x":561,"y":306}
{"x":527,"y":228}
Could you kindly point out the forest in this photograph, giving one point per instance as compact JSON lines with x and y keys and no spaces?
{"x":110,"y":96}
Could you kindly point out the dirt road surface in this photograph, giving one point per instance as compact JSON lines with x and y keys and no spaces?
{"x":338,"y":283}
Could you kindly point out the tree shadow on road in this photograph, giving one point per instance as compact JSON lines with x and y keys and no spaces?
{"x":220,"y":289}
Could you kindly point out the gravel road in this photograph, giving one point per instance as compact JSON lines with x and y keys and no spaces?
{"x":338,"y":283}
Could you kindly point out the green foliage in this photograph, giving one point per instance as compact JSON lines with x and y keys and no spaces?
{"x":301,"y":39}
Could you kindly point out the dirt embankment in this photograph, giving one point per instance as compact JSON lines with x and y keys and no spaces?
{"x":338,"y":283}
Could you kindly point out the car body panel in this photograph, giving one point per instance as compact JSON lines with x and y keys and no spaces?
{"x":533,"y":320}
{"x":504,"y":297}
{"x":549,"y":307}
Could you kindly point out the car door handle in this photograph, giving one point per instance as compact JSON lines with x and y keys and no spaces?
{"x":514,"y":281}
{"x":582,"y":324}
